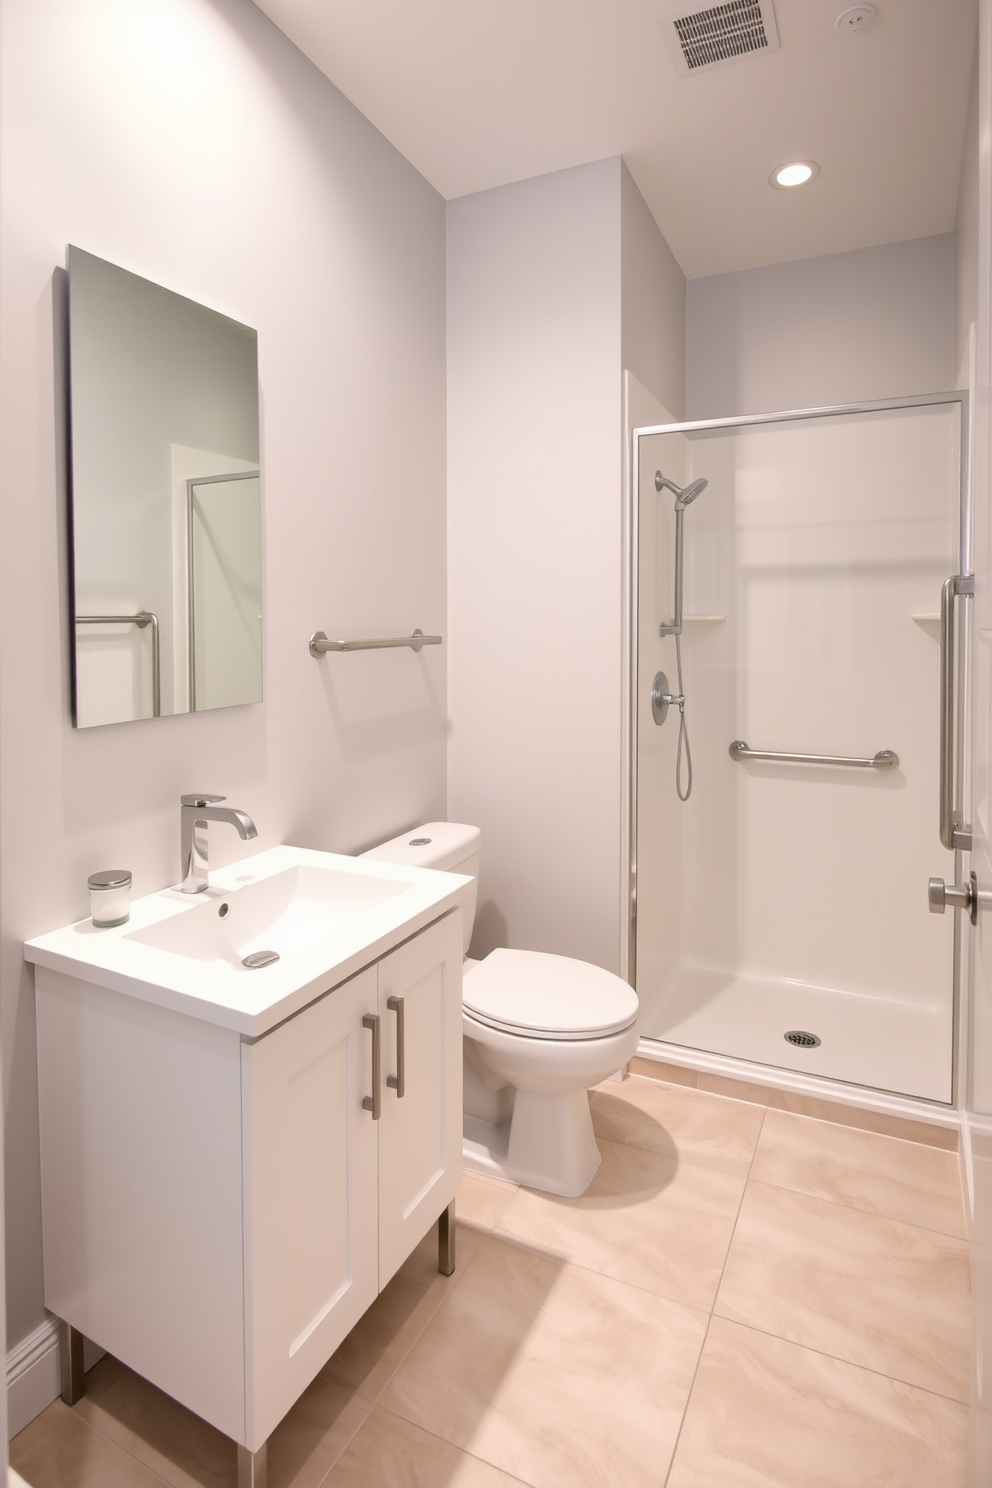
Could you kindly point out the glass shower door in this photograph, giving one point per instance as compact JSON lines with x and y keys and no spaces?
{"x":779,"y":913}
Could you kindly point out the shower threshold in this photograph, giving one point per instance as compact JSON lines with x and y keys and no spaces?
{"x":879,"y":1043}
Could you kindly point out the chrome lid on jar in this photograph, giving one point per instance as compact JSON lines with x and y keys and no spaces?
{"x":110,"y":878}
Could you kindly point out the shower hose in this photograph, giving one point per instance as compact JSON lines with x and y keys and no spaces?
{"x":683,"y":795}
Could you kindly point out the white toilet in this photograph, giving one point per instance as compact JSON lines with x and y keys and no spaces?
{"x":539,"y":1031}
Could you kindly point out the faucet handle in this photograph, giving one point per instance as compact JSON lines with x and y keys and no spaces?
{"x":201,"y":799}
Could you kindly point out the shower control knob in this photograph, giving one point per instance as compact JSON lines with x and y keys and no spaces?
{"x":958,"y":896}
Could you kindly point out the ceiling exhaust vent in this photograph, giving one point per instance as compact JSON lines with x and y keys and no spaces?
{"x":707,"y":38}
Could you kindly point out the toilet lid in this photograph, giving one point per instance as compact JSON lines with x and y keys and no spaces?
{"x":548,"y":996}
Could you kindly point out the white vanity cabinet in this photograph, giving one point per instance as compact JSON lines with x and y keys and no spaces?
{"x":220,"y":1210}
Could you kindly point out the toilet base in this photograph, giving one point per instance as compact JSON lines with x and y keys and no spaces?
{"x":484,"y":1148}
{"x":548,"y":1143}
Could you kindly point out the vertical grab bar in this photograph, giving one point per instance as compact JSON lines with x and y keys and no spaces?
{"x":953,"y":833}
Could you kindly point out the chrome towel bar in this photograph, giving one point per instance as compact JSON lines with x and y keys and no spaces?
{"x":319,"y":643}
{"x":141,"y":619}
{"x":885,"y":759}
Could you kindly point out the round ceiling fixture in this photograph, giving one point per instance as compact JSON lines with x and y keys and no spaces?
{"x":794,"y":173}
{"x":855,"y":18}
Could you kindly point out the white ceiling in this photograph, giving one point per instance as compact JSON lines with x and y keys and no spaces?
{"x":477,"y":93}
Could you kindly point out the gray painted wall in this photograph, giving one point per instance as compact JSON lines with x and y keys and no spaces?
{"x":652,"y":302}
{"x":871,"y":323}
{"x":194,"y":145}
{"x":538,"y":273}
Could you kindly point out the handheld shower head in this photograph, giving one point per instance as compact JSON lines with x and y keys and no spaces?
{"x":683,"y":494}
{"x":691,"y":492}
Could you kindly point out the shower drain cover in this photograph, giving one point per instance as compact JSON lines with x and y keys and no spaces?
{"x":801,"y":1038}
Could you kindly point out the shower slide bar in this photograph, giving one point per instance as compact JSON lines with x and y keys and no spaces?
{"x":141,"y":619}
{"x":885,"y":759}
{"x":319,"y":643}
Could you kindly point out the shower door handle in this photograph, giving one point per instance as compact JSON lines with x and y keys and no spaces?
{"x":953,"y":832}
{"x":967,"y":896}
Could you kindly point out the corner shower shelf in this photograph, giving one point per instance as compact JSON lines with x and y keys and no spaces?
{"x":929,"y":623}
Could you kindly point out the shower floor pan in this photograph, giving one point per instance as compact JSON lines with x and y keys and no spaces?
{"x":883,"y":1044}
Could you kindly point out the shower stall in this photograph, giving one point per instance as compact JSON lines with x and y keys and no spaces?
{"x":779,"y":915}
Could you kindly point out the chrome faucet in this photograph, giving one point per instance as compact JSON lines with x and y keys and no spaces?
{"x":197,"y":811}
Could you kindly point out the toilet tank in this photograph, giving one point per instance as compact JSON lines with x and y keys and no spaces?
{"x":450,"y":846}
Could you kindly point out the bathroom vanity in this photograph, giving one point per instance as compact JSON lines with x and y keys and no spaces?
{"x":236,"y":1161}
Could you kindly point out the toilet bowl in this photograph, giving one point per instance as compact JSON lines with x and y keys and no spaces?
{"x":539,"y":1031}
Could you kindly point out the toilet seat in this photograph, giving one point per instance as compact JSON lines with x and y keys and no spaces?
{"x":533,"y":994}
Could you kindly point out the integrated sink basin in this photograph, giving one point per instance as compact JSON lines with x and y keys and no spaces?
{"x":324,"y":915}
{"x":284,"y":913}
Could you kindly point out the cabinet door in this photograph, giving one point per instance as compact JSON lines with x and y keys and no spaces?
{"x":420,"y":1134}
{"x":310,"y":1195}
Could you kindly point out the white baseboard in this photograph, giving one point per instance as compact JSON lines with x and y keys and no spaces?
{"x":32,"y":1375}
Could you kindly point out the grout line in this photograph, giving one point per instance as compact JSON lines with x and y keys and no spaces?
{"x":910,"y":1224}
{"x":563,"y":1260}
{"x":460,"y":1273}
{"x":839,"y":1359}
{"x":120,"y":1447}
{"x":716,"y":1294}
{"x":455,"y":1447}
{"x":351,"y":1438}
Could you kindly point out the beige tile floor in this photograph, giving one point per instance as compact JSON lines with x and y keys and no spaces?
{"x":745,"y":1298}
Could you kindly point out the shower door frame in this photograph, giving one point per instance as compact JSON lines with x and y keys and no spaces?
{"x":628,"y":949}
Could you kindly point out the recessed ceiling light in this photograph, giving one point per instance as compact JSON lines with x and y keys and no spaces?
{"x":794,"y":173}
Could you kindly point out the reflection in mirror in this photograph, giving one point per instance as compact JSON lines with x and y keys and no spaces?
{"x":165,"y":500}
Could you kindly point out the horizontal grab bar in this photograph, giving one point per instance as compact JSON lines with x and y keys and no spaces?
{"x":319,"y":643}
{"x":885,"y":759}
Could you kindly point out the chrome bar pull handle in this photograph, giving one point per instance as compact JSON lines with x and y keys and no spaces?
{"x":373,"y":1102}
{"x":397,"y":1082}
{"x":953,"y":832}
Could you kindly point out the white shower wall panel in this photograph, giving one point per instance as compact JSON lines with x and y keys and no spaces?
{"x":844,"y":532}
{"x":818,"y":542}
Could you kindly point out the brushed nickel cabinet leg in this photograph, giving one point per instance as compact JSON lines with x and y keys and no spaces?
{"x":253,"y":1467}
{"x":446,"y":1241}
{"x":71,"y":1363}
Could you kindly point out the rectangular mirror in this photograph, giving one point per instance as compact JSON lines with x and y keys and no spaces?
{"x":166,"y":521}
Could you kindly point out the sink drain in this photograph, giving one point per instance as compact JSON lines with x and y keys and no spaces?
{"x":801,"y":1038}
{"x":266,"y":958}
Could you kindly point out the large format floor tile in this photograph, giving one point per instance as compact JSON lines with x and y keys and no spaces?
{"x":889,"y":1296}
{"x":676,"y":1121}
{"x":391,"y":1453}
{"x":556,"y":1375}
{"x":768,"y":1414}
{"x":882,"y":1175}
{"x":646,"y":1219}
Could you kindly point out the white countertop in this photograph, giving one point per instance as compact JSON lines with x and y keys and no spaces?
{"x":224,"y":992}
